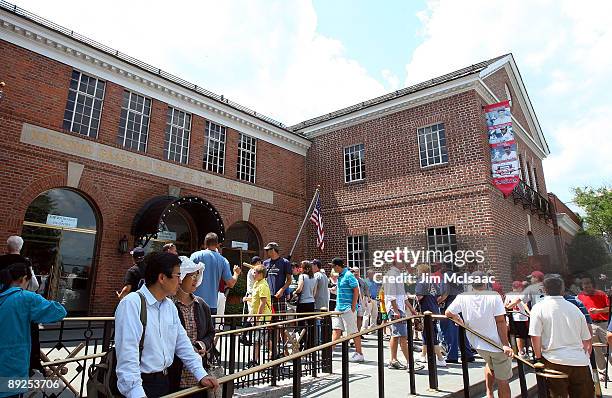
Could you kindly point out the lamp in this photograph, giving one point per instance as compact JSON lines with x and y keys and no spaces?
{"x":123,"y":245}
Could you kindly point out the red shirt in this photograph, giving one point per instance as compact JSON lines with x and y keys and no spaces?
{"x":596,"y":300}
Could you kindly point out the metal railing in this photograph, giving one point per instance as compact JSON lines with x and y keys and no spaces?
{"x":428,"y":318}
{"x":531,"y":199}
{"x":81,"y":342}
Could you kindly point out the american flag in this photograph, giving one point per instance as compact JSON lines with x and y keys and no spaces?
{"x":317,"y":219}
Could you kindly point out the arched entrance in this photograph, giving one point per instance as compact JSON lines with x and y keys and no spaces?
{"x":183,"y":221}
{"x":242,"y":242}
{"x":59,"y":233}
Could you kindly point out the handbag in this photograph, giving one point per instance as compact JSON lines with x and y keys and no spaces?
{"x":295,"y":299}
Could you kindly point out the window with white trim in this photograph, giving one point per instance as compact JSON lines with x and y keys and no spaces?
{"x":134,"y":121}
{"x":354,"y":163}
{"x":440,"y":240}
{"x":247,"y":158}
{"x":176,"y":141}
{"x":432,"y":145}
{"x":357,"y":251}
{"x":214,"y":150}
{"x":534,"y":178}
{"x":84,"y":105}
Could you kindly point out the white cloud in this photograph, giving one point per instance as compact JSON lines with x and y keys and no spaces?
{"x":563,"y":51}
{"x":266,"y":55}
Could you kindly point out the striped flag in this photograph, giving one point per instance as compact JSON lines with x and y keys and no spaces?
{"x":317,"y":219}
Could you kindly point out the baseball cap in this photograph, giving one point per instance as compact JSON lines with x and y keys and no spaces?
{"x":337,"y":261}
{"x":537,"y":274}
{"x":255,"y":260}
{"x":271,"y":245}
{"x":137,"y":252}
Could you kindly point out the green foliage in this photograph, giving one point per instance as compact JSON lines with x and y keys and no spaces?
{"x":597,"y":204}
{"x":239,"y":289}
{"x":587,"y":253}
{"x":233,"y":308}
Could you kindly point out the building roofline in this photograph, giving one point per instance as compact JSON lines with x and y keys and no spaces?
{"x":45,"y":23}
{"x":476,"y":68}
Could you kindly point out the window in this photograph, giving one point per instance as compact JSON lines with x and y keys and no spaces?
{"x":432,"y":145}
{"x":521,"y":166}
{"x":246,"y":158}
{"x":354,"y":163}
{"x":357,"y":251}
{"x":440,"y":241}
{"x":527,"y":174}
{"x":176,"y":143}
{"x":214,"y":152}
{"x":84,"y":104}
{"x":534,"y":178}
{"x":134,"y":121}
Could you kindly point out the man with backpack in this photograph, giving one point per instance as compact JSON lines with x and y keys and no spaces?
{"x":146,"y":343}
{"x":134,"y":276}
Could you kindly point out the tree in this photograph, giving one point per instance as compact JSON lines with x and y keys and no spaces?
{"x":587,"y":253}
{"x":597,"y":203}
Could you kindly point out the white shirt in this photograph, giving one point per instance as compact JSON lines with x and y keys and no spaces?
{"x":562,"y":327}
{"x":509,"y":156}
{"x":479,"y":311}
{"x":164,"y":336}
{"x":521,"y":316}
{"x":250,"y":279}
{"x":394,"y":290}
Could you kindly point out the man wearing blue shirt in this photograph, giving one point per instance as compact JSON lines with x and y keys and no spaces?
{"x":145,"y":374}
{"x":279,"y":277}
{"x":348,"y":294}
{"x":216,"y":268}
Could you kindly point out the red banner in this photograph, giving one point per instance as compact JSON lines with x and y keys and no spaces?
{"x":504,"y":158}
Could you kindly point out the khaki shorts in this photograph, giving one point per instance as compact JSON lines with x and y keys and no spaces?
{"x":499,"y":363}
{"x":347,"y":322}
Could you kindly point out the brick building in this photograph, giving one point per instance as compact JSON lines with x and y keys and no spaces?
{"x":101,"y":152}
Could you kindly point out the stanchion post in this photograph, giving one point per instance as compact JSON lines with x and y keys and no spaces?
{"x":541,"y":380}
{"x":411,"y":371}
{"x":345,"y":369}
{"x":381,"y":363}
{"x":464,"y":362}
{"x":431,"y":355}
{"x":297,"y":377}
{"x":521,"y":366}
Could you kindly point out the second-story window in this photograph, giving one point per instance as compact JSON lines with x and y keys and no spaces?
{"x":176,"y":142}
{"x":247,"y":157}
{"x":214,"y":152}
{"x":354,"y":163}
{"x":432,"y":145}
{"x":357,"y":252}
{"x":134,"y":121}
{"x":84,"y":106}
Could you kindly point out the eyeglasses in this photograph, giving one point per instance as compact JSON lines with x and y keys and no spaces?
{"x":194,"y":275}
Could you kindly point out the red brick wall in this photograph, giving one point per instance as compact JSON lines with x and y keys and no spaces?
{"x":36,"y":93}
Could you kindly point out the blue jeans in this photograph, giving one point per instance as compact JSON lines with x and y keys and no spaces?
{"x":450,"y":332}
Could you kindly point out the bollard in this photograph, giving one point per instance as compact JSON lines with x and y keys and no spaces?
{"x":297,"y":376}
{"x":381,"y":363}
{"x":431,"y":355}
{"x":464,"y":362}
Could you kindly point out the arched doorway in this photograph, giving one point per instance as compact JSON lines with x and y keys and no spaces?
{"x":59,"y":233}
{"x":241,"y":243}
{"x":182,"y":221}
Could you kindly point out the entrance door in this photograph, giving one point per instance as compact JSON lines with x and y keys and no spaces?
{"x":59,"y":234}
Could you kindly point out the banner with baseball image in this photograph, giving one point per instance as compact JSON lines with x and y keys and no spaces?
{"x":504,"y":160}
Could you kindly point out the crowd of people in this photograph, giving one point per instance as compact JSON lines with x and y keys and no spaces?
{"x":165,"y":333}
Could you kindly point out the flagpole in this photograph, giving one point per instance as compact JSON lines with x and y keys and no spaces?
{"x":314,"y":197}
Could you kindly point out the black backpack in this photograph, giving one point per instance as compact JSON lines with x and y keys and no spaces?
{"x":103,"y":375}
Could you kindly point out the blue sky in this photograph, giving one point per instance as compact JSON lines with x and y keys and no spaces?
{"x":293,"y":60}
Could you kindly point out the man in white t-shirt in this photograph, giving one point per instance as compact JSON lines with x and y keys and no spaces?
{"x":395,"y":302}
{"x":483,"y":311}
{"x":562,"y":341}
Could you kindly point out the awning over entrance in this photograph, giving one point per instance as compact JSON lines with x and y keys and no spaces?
{"x":147,"y":221}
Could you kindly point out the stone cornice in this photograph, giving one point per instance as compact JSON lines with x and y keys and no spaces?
{"x":567,"y":224}
{"x":69,"y":51}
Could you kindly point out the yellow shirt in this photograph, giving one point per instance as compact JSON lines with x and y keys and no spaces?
{"x":261,"y":289}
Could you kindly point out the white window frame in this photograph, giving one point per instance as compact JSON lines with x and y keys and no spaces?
{"x":362,"y":251}
{"x":183,"y":129}
{"x":354,"y":163}
{"x":442,"y":149}
{"x":94,"y":100}
{"x":138,"y":113}
{"x":247,"y":158}
{"x":217,"y":166}
{"x":446,"y":234}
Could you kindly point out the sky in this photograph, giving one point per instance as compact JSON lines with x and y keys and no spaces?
{"x":293,"y":60}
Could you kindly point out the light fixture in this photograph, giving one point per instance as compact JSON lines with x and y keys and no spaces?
{"x":123,"y":245}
